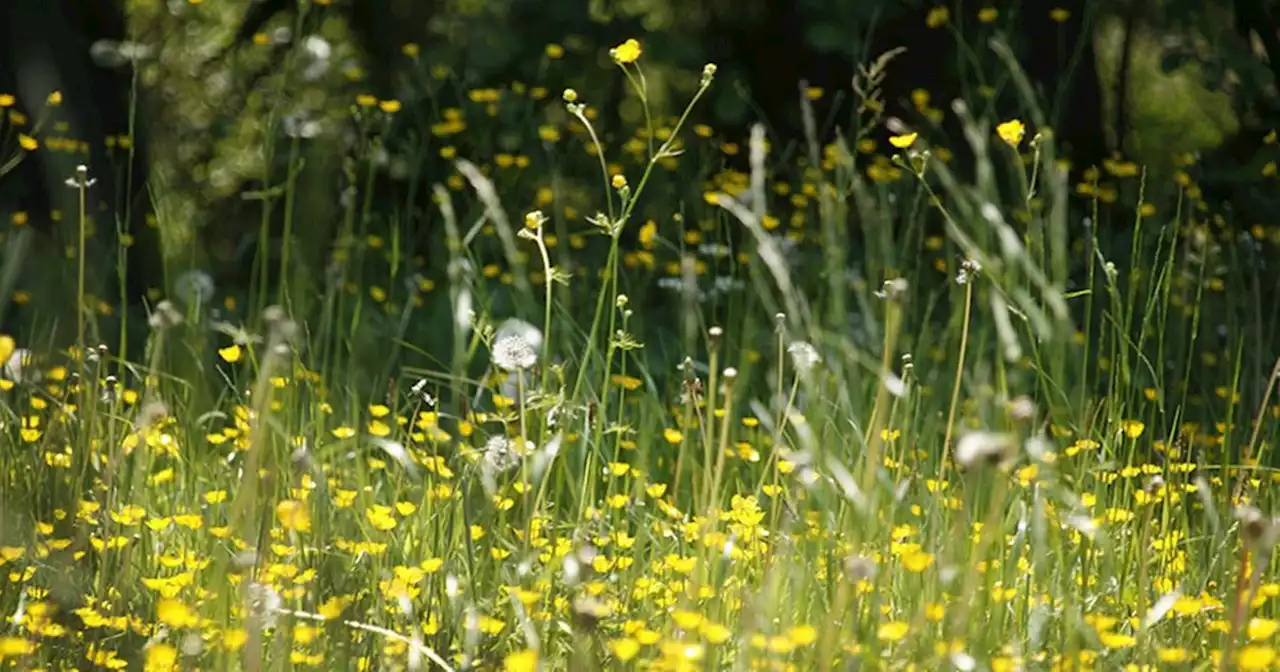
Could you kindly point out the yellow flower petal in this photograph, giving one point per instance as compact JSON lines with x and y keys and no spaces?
{"x":903,"y":141}
{"x":627,"y":52}
{"x":231,"y":354}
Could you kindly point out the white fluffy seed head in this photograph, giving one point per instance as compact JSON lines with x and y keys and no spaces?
{"x":500,"y":454}
{"x":511,"y":352}
{"x":803,"y":356}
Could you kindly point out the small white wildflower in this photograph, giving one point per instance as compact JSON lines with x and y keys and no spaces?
{"x":513,"y":353}
{"x":1021,"y":408}
{"x":81,"y":179}
{"x":893,"y":289}
{"x":419,"y":389}
{"x":969,"y":269}
{"x":803,"y":355}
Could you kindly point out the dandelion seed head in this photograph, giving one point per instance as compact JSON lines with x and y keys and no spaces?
{"x":1021,"y":408}
{"x":264,"y":603}
{"x":531,"y":334}
{"x":194,"y":287}
{"x":165,"y":316}
{"x":893,"y":289}
{"x":511,"y":352}
{"x":803,"y":356}
{"x":500,"y":454}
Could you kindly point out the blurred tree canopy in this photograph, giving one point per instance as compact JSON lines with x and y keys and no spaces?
{"x":196,"y":114}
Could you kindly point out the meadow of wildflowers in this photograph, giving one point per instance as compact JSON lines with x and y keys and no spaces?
{"x":846,"y":404}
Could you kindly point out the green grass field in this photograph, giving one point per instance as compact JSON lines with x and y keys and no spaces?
{"x":608,"y":442}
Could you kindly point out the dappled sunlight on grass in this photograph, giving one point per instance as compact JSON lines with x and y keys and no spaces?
{"x":789,"y":409}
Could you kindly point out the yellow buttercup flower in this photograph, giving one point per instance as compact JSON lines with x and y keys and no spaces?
{"x":521,"y":661}
{"x":230,"y":354}
{"x":1132,"y":428}
{"x":627,"y":52}
{"x":938,"y":16}
{"x":648,"y":233}
{"x":903,"y":141}
{"x":293,"y":515}
{"x":892,"y":631}
{"x":1011,"y":132}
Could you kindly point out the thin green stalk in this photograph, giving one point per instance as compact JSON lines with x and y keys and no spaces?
{"x":959,"y":376}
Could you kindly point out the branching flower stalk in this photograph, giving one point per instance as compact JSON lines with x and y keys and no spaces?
{"x":954,"y":403}
{"x":534,"y":223}
{"x":81,"y":183}
{"x":802,"y":362}
{"x":730,"y":376}
{"x":614,"y":227}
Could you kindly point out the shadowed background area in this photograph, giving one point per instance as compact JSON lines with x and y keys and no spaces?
{"x":197,"y":118}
